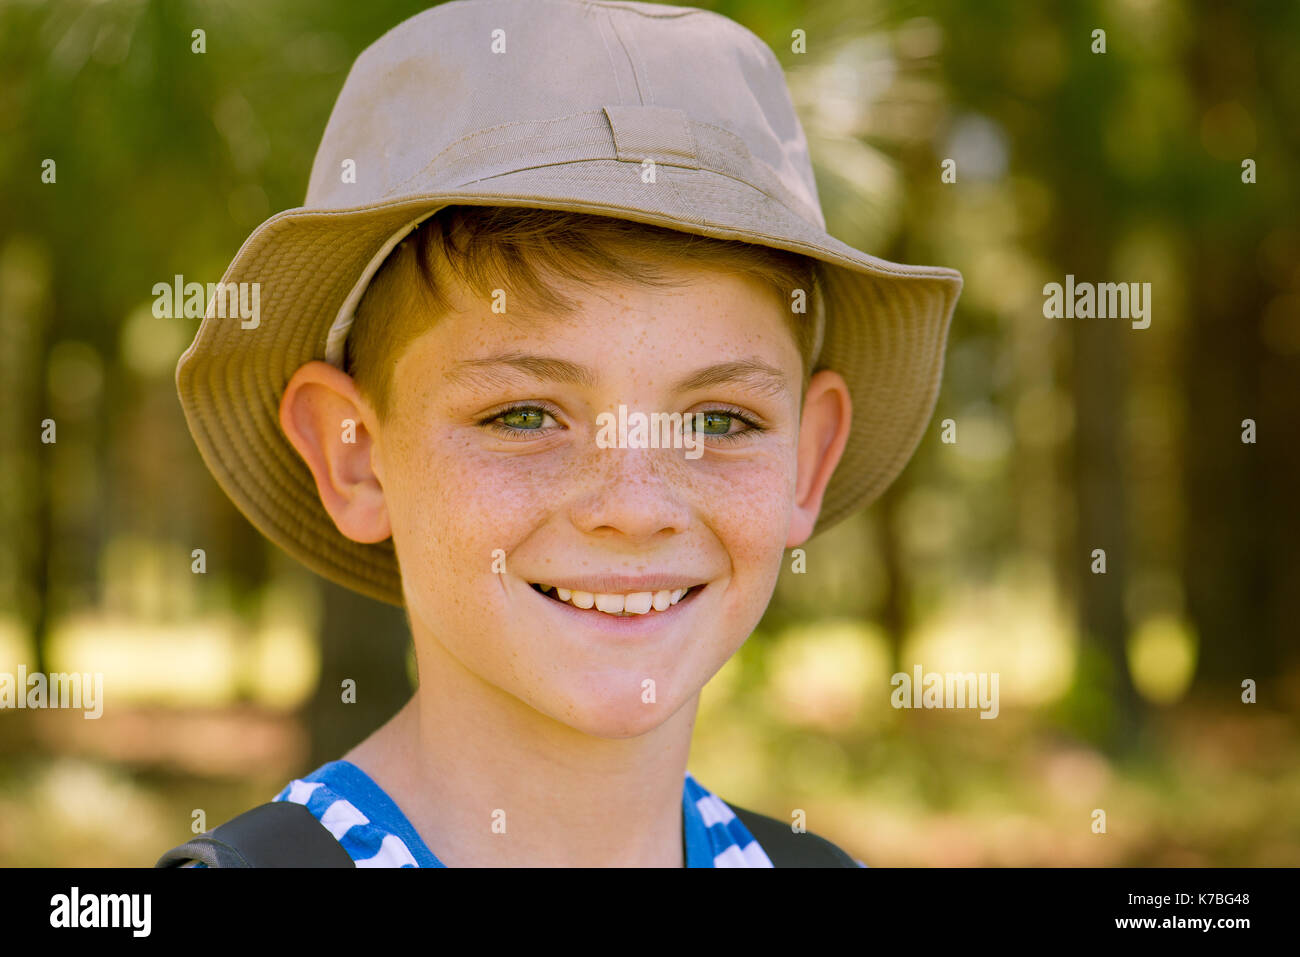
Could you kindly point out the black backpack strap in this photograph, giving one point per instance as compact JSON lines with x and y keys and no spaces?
{"x":790,"y":848}
{"x":285,"y":834}
{"x":277,"y":834}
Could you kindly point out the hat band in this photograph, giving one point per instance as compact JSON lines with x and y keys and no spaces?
{"x":668,"y":137}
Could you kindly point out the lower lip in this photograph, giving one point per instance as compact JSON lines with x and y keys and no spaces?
{"x":625,"y":625}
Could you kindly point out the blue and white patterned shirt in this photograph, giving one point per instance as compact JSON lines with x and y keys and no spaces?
{"x":375,"y":832}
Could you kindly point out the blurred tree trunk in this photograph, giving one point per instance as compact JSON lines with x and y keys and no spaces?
{"x":1083,"y":228}
{"x":366,"y":641}
{"x":1226,"y":564}
{"x":1100,"y":388}
{"x":893,"y":614}
{"x":25,"y":280}
{"x":1239,"y":568}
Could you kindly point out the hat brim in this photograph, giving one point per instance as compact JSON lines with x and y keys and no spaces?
{"x":886,"y":325}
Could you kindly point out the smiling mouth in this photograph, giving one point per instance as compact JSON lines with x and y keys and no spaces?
{"x":586,"y":601}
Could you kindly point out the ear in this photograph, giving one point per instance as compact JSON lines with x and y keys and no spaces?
{"x":823,"y":435}
{"x":332,"y":426}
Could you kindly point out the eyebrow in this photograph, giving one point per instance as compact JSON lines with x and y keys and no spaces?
{"x":495,"y":370}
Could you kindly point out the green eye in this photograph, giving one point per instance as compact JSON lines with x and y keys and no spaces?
{"x":524,"y":417}
{"x":715,"y":423}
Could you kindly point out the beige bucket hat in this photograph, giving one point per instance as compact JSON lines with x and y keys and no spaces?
{"x":556,"y":104}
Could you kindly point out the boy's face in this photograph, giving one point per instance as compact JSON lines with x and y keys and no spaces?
{"x":478,"y":514}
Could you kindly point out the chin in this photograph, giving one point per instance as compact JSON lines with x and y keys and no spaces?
{"x":602,"y":717}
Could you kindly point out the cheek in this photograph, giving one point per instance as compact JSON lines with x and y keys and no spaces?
{"x":748,"y":509}
{"x":465,"y":502}
{"x":748,"y":504}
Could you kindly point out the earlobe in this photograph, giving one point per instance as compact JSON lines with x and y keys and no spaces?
{"x":328,"y":421}
{"x":823,"y":436}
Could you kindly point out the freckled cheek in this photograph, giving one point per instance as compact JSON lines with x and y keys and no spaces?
{"x":472,"y":501}
{"x":745,"y":494}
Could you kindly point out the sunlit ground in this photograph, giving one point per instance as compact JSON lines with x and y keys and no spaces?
{"x":799,"y":720}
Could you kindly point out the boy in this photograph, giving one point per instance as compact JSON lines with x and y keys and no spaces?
{"x":530,"y":227}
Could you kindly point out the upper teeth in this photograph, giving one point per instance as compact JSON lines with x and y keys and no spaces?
{"x":634,"y":603}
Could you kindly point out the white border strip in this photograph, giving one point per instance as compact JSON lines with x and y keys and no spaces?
{"x":819,"y":317}
{"x":338,"y":333}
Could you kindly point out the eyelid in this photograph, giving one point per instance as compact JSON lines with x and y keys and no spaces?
{"x":542,"y":404}
{"x":735,"y":412}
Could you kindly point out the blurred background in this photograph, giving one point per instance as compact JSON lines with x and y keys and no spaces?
{"x":1119,"y":691}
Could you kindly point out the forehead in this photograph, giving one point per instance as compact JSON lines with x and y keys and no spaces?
{"x":717,"y":327}
{"x":707,"y":305}
{"x":539,"y":298}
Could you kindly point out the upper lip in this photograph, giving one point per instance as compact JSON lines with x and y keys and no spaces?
{"x":620,"y":584}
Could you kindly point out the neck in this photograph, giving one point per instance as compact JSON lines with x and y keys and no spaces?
{"x":488,"y":781}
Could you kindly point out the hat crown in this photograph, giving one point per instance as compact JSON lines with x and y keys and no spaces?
{"x":474,"y":89}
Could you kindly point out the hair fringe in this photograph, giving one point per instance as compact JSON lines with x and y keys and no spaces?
{"x":532,"y":247}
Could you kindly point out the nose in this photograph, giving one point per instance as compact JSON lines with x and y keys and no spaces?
{"x":636,"y":492}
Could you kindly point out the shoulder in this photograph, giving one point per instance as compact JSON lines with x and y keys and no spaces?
{"x":789,"y":848}
{"x":360,"y":816}
{"x":335,"y":807}
{"x":739,"y":837}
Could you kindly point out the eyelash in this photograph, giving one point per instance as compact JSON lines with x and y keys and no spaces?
{"x":512,"y":432}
